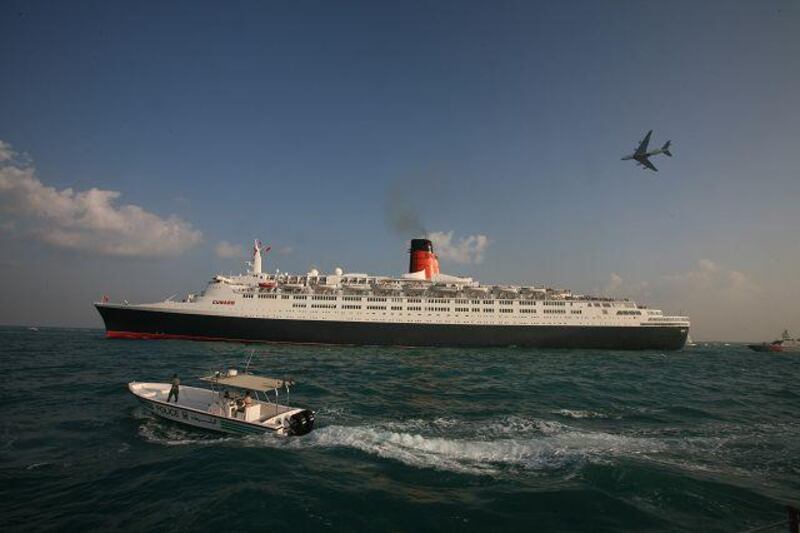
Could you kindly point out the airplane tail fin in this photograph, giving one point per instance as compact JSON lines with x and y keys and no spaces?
{"x":665,"y":148}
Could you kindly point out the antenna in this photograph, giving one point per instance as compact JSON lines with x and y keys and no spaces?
{"x":249,"y":359}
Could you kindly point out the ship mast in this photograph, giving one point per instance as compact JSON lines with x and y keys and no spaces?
{"x":256,"y":257}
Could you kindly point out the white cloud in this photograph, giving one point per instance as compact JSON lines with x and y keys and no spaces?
{"x":720,"y":301}
{"x":737,"y":279}
{"x":614,"y":284}
{"x":709,"y":276}
{"x":6,"y":153}
{"x":88,"y":220}
{"x":227,"y":250}
{"x":467,"y":250}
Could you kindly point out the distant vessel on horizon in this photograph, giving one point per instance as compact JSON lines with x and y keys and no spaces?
{"x":420,"y":308}
{"x":785,"y":344}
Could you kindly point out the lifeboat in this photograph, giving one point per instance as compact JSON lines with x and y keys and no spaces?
{"x":507,"y":291}
{"x":357,"y":287}
{"x":416,"y":288}
{"x":388,"y":286}
{"x":478,"y":291}
{"x":325,"y":288}
{"x":446,"y":288}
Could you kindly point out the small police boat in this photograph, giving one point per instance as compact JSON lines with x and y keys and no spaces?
{"x":236,"y":403}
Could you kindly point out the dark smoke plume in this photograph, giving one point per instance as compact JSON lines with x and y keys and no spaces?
{"x":402,"y":212}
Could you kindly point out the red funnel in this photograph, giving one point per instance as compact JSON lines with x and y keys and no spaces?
{"x":423,"y":258}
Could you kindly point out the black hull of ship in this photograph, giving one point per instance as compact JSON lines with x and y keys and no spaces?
{"x":137,"y":323}
{"x":762,"y":348}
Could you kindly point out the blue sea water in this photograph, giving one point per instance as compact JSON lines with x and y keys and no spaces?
{"x":707,"y":439}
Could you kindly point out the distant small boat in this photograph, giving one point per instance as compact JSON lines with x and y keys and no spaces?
{"x":225,"y":408}
{"x":33,"y":328}
{"x":785,"y":344}
{"x":689,"y":341}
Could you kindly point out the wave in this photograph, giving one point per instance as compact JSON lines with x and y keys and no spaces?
{"x":170,"y":434}
{"x":480,"y":456}
{"x":505,"y":444}
{"x":471,"y":447}
{"x":580,"y":413}
{"x":35,"y":466}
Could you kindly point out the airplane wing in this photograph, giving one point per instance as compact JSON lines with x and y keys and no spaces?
{"x":646,"y":162}
{"x":643,"y":145}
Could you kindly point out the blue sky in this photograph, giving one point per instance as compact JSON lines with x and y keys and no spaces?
{"x":301,"y":123}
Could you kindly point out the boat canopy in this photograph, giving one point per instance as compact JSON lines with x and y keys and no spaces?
{"x":246,"y":381}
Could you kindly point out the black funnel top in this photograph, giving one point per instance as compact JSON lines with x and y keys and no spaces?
{"x":424,"y":245}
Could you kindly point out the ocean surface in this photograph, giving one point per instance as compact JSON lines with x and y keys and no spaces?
{"x":707,"y":439}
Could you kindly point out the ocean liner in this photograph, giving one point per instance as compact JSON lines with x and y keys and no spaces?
{"x":420,"y":308}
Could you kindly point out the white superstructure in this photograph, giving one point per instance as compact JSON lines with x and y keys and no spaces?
{"x":441,"y":300}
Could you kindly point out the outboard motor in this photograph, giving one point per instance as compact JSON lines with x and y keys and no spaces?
{"x":301,"y":423}
{"x":423,"y":258}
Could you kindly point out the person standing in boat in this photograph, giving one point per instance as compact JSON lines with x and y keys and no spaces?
{"x":175,"y":389}
{"x":243,"y":403}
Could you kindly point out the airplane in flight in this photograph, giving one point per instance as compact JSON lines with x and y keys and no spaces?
{"x":641,"y":154}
